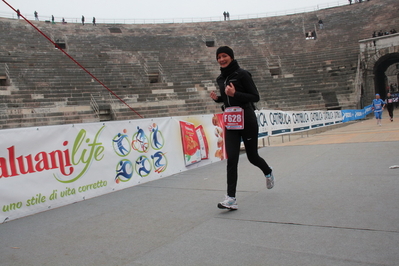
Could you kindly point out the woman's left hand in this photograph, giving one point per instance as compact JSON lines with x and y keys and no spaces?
{"x":230,"y":90}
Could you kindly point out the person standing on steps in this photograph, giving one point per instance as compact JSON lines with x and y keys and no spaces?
{"x":378,"y":107}
{"x":321,"y":24}
{"x":238,"y":92}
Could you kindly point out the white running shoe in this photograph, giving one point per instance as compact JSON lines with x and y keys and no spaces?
{"x":269,"y":180}
{"x":228,"y":203}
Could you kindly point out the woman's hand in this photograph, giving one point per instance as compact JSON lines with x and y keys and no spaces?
{"x":230,"y":90}
{"x":213,"y":95}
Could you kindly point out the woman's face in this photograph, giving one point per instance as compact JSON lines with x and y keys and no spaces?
{"x":224,"y":60}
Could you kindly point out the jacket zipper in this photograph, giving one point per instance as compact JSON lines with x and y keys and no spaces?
{"x":228,"y":97}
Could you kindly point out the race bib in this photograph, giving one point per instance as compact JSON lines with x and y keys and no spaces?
{"x":233,"y":118}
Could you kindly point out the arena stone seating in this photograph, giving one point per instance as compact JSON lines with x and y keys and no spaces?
{"x":169,"y":69}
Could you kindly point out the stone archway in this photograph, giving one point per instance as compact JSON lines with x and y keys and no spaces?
{"x":380,"y":67}
{"x":392,"y":74}
{"x":376,"y":56}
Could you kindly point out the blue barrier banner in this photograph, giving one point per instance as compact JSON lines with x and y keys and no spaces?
{"x":348,"y":115}
{"x":351,"y":115}
{"x":359,"y":114}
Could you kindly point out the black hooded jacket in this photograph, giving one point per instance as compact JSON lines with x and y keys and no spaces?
{"x":246,"y":92}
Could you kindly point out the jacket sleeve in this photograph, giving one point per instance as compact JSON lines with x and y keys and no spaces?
{"x":250,"y":93}
{"x":219,"y":100}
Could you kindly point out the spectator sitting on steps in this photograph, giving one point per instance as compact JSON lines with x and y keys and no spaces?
{"x":310,"y":35}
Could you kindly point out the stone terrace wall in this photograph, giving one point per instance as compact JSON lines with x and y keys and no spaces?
{"x":168,"y":70}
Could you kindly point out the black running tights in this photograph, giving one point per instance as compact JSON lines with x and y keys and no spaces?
{"x":233,"y":138}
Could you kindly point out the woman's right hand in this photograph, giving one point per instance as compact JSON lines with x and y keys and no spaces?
{"x":213,"y":95}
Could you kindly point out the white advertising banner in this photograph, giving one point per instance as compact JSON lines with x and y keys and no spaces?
{"x":273,"y":122}
{"x":263,"y":123}
{"x":47,"y":167}
{"x":300,"y":121}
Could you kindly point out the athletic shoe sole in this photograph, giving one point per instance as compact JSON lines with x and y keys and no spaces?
{"x":233,"y":207}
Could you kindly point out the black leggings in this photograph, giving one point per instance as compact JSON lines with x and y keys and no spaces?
{"x":249,"y":135}
{"x":390,"y":110}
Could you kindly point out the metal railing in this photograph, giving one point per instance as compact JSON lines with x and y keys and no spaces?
{"x":94,"y":105}
{"x":13,"y":15}
{"x":113,"y":106}
{"x":7,"y":70}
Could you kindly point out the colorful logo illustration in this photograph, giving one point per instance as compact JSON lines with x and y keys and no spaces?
{"x":159,"y":161}
{"x":121,"y":144}
{"x":143,"y":166}
{"x":124,"y":171}
{"x":140,"y":141}
{"x":157,"y":140}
